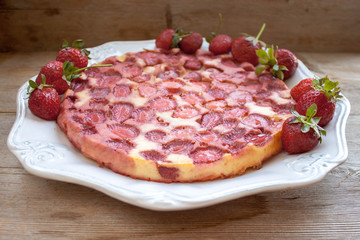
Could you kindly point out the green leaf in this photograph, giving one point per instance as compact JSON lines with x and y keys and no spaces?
{"x":32,"y":84}
{"x":261,"y":53}
{"x":263,"y":61}
{"x":279,"y":74}
{"x":79,"y":44}
{"x":276,"y":67}
{"x":259,"y":70}
{"x":311,"y":111}
{"x":65,"y":44}
{"x":271,"y":52}
{"x":305,"y":128}
{"x":284,"y":68}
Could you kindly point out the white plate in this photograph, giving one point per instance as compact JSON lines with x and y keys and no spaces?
{"x":44,"y":151}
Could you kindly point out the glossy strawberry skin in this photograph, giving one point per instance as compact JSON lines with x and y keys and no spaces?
{"x":294,"y":141}
{"x":325,"y":107}
{"x":53,"y":72}
{"x":164,"y":39}
{"x":289,"y":60}
{"x":191,"y":43}
{"x":243,"y":50}
{"x":73,"y":55}
{"x":302,"y":87}
{"x":220,"y":44}
{"x":45,"y":103}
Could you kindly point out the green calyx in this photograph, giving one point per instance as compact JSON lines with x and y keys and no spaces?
{"x":177,"y":36}
{"x":256,"y":40}
{"x":268,"y":60}
{"x":213,"y":34}
{"x":78,"y":44}
{"x":328,"y":87}
{"x":32,"y":85}
{"x":70,"y":72}
{"x":309,"y":121}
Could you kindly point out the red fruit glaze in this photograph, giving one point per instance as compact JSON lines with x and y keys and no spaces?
{"x":53,"y":72}
{"x":243,"y":50}
{"x":164,"y":39}
{"x":220,"y":44}
{"x":294,"y":141}
{"x":45,"y":103}
{"x":289,"y":60}
{"x":325,"y":108}
{"x":302,"y":87}
{"x":73,"y":55}
{"x":191,"y":43}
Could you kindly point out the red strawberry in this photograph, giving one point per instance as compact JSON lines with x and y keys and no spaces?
{"x":53,"y":72}
{"x":165,"y":39}
{"x":220,"y":44}
{"x":243,"y":49}
{"x":301,"y":133}
{"x":191,"y":43}
{"x":75,"y":54}
{"x":60,"y":75}
{"x":324,"y":96}
{"x":287,"y":59}
{"x":44,"y":101}
{"x":302,"y":87}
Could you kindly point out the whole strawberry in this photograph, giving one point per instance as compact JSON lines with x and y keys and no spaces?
{"x":53,"y":72}
{"x":165,"y":38}
{"x":44,"y":101}
{"x":324,"y":95}
{"x":219,"y":43}
{"x":268,"y":60}
{"x":289,"y":60}
{"x":301,"y":133}
{"x":243,"y":49}
{"x":60,"y":75}
{"x":302,"y":87}
{"x":75,"y":54}
{"x":191,"y":43}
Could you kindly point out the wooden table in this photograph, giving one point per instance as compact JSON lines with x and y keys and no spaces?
{"x":37,"y":208}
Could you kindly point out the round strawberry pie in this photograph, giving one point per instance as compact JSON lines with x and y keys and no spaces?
{"x":168,"y":116}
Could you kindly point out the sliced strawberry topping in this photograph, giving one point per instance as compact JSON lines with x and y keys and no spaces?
{"x":120,"y":145}
{"x":241,"y":96}
{"x":130,"y":71}
{"x":150,"y":58}
{"x":231,"y":123}
{"x":147,"y":90}
{"x":122,"y":90}
{"x":155,"y":135}
{"x":233,"y":136}
{"x":162,"y":104}
{"x":211,"y":120}
{"x":170,"y":173}
{"x":185,"y":112}
{"x":109,"y":81}
{"x":207,"y":137}
{"x":225,"y":86}
{"x":203,"y":155}
{"x":193,"y":98}
{"x":217,"y":93}
{"x":95,"y":116}
{"x":98,"y":104}
{"x":141,"y":78}
{"x":99,"y":93}
{"x":143,"y":114}
{"x":121,"y":111}
{"x":257,"y":139}
{"x":179,"y":146}
{"x":236,"y":112}
{"x":192,"y":64}
{"x":167,"y":75}
{"x":153,"y":155}
{"x":184,"y":132}
{"x":257,"y":121}
{"x":216,"y":105}
{"x":124,"y":130}
{"x":193,"y":76}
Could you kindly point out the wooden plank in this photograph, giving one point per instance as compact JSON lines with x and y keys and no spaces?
{"x":298,"y":25}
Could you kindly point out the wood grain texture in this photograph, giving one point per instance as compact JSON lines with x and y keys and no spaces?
{"x":299,"y":25}
{"x":37,"y":208}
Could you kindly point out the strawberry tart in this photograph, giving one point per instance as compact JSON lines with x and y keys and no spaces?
{"x":167,"y":116}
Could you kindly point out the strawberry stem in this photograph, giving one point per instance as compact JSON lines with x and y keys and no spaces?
{"x":93,"y":66}
{"x":261,"y":31}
